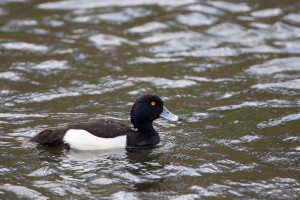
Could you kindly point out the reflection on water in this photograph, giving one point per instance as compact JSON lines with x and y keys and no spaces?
{"x":230,"y":69}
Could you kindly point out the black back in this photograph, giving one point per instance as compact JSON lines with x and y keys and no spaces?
{"x":53,"y":137}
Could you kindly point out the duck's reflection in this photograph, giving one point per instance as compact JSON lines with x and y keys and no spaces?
{"x":75,"y":155}
{"x":141,"y":170}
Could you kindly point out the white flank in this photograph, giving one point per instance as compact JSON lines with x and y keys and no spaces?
{"x":82,"y":140}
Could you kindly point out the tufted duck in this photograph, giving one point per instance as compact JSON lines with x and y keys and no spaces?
{"x":102,"y":134}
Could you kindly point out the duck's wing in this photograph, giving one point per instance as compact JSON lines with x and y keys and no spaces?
{"x":54,"y":137}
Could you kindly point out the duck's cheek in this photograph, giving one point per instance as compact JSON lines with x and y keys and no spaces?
{"x":82,"y":140}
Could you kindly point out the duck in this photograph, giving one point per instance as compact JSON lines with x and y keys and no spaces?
{"x":105,"y":134}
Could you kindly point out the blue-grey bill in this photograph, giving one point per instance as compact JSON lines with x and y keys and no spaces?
{"x":168,"y":115}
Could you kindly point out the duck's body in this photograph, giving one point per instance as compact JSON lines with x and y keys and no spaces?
{"x":100,"y":134}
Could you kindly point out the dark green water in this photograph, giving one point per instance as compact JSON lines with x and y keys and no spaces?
{"x":230,"y":69}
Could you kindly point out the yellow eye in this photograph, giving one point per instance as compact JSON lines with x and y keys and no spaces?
{"x":153,"y":103}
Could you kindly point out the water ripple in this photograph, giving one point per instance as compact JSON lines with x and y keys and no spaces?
{"x":125,"y":15}
{"x":266,"y":13}
{"x":292,"y":84}
{"x":88,"y":4}
{"x":148,"y":27}
{"x":277,"y":188}
{"x":13,"y":76}
{"x":275,"y":103}
{"x":292,"y":17}
{"x":109,"y":40}
{"x":276,"y":66}
{"x":232,"y":7}
{"x":196,"y":19}
{"x":278,"y":121}
{"x":205,"y":9}
{"x":22,"y":191}
{"x":24,"y":46}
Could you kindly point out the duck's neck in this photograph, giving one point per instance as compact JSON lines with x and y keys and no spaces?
{"x":142,"y":125}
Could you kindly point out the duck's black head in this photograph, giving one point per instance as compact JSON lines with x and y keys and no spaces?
{"x":146,"y":109}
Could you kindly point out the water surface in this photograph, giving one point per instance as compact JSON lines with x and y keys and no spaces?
{"x":231,"y":70}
